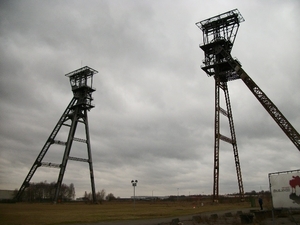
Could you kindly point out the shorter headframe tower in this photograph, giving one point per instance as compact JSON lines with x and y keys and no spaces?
{"x":81,"y":81}
{"x":219,"y":32}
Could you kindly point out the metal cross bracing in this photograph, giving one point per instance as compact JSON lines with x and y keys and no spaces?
{"x":219,"y":85}
{"x":219,"y":34}
{"x":81,"y":81}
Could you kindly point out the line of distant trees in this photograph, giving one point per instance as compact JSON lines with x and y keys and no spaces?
{"x":100,"y":196}
{"x":43,"y":191}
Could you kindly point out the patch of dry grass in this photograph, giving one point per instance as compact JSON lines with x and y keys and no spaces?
{"x":68,"y":213}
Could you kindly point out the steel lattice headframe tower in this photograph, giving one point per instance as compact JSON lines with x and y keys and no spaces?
{"x":81,"y":81}
{"x":219,"y":33}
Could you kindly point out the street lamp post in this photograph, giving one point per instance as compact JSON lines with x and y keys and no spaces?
{"x":134,"y":184}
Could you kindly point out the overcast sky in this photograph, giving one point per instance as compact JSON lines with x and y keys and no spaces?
{"x":154,"y":114}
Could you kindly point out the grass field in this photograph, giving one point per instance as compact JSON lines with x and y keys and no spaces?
{"x":68,"y":213}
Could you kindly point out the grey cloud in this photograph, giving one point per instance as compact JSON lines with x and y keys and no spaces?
{"x":154,"y":113}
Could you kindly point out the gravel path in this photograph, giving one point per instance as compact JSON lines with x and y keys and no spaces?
{"x":186,"y":220}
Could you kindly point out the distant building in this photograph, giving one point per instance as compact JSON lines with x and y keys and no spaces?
{"x":6,"y":195}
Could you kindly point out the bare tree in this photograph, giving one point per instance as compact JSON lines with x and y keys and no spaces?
{"x":100,"y":196}
{"x":110,"y":197}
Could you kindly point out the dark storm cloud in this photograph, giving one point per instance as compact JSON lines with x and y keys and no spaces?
{"x":154,"y":113}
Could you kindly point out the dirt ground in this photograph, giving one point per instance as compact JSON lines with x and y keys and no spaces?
{"x":249,"y":216}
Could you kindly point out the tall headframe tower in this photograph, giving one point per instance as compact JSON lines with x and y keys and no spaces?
{"x":219,"y":32}
{"x":81,"y":81}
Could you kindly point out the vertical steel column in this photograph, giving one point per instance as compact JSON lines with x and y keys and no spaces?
{"x":90,"y":161}
{"x":217,"y":140}
{"x":234,"y":142}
